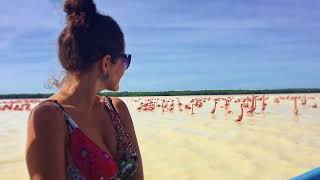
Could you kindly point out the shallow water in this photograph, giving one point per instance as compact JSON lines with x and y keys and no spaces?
{"x":274,"y":144}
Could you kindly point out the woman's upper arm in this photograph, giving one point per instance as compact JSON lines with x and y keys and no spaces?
{"x":46,"y":134}
{"x":126,"y":120}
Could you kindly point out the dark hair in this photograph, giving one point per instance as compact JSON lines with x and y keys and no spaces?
{"x":88,"y":36}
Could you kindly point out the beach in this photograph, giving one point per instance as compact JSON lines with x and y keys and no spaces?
{"x":274,"y":143}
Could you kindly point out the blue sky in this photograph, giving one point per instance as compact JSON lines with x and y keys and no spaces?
{"x":176,"y":45}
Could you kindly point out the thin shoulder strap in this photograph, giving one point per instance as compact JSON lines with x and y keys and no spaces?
{"x":70,"y":123}
{"x":122,"y":135}
{"x":108,"y":102}
{"x":115,"y":118}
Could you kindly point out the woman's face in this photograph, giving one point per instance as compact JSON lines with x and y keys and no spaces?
{"x":115,"y":71}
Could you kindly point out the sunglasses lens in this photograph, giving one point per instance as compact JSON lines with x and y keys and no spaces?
{"x":126,"y":61}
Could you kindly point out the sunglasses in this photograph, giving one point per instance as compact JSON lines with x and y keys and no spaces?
{"x":126,"y":59}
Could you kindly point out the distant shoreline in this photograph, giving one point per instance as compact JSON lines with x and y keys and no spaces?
{"x":178,"y":93}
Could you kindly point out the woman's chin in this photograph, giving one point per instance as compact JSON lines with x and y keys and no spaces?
{"x":115,"y":88}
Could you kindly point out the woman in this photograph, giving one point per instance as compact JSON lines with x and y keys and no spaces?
{"x":76,"y":134}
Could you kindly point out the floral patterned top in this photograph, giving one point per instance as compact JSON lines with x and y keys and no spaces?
{"x":87,"y":161}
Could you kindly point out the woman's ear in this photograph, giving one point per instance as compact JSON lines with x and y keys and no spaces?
{"x":105,"y":63}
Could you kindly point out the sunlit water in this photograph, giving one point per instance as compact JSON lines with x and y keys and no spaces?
{"x":274,"y":144}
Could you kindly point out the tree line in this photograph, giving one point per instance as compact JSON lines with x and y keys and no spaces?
{"x":177,"y":93}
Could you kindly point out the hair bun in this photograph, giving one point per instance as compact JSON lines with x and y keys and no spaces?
{"x":79,"y":11}
{"x":79,"y":6}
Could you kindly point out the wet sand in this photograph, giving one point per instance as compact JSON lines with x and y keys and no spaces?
{"x":274,"y":144}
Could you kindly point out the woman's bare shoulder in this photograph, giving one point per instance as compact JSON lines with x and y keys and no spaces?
{"x":44,"y":111}
{"x":120,"y":105}
{"x":45,"y":118}
{"x":46,"y":139}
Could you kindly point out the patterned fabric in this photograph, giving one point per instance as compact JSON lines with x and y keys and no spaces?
{"x":126,"y":154}
{"x":87,"y":161}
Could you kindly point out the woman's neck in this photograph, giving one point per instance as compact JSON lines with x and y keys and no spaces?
{"x":80,"y":93}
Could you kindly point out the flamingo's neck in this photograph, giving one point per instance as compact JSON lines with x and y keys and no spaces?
{"x":295,"y":103}
{"x":241,"y":110}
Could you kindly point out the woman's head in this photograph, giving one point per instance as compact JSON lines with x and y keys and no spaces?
{"x":92,"y":42}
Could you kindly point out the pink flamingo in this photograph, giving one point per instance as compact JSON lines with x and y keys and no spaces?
{"x":17,"y":107}
{"x":26,"y":107}
{"x":187,"y":106}
{"x":192,"y":109}
{"x":214,"y":109}
{"x":239,"y":118}
{"x":252,"y":106}
{"x":8,"y":107}
{"x":304,"y":100}
{"x":295,"y":108}
{"x":314,"y":105}
{"x":263,"y":103}
{"x":254,"y":103}
{"x":180,"y":106}
{"x":171,"y":107}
